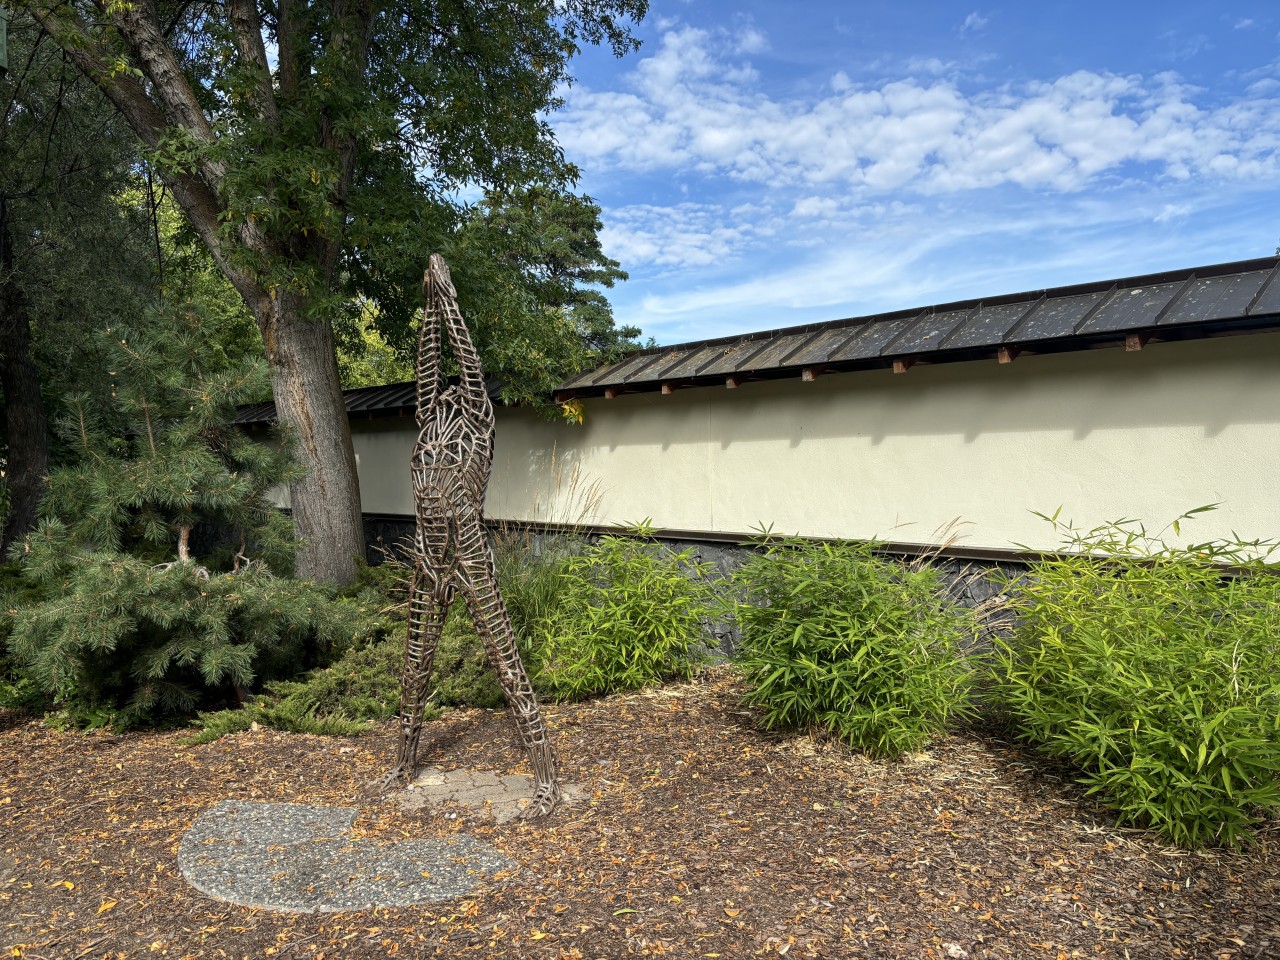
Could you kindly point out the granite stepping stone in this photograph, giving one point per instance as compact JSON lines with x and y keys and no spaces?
{"x":300,"y":858}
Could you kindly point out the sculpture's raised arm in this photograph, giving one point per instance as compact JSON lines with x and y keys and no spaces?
{"x":436,"y":285}
{"x":464,"y":350}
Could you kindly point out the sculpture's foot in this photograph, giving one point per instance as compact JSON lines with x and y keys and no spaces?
{"x":399,"y":778}
{"x":545,"y":799}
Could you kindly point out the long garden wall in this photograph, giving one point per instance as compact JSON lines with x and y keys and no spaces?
{"x":905,"y":458}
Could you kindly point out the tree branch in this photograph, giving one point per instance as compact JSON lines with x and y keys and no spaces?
{"x":352,"y":35}
{"x":289,"y":69}
{"x":138,"y":23}
{"x":247,"y":28}
{"x":193,"y":193}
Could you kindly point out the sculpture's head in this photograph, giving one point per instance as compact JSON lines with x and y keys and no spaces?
{"x":436,"y":280}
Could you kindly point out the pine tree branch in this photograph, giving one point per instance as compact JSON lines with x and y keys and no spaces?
{"x":146,"y":416}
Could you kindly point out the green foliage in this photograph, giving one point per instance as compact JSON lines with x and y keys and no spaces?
{"x":133,"y":624}
{"x":363,"y":684}
{"x":365,"y":358}
{"x":18,"y":692}
{"x":76,"y":256}
{"x":338,"y":700}
{"x":630,"y":613}
{"x":1155,"y":672}
{"x":151,"y":641}
{"x":839,"y":639}
{"x":161,"y":456}
{"x":330,"y":182}
{"x":187,"y":274}
{"x":462,"y":675}
{"x":529,"y":266}
{"x":530,"y":574}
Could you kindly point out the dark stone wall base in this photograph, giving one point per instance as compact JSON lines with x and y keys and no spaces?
{"x":975,"y":583}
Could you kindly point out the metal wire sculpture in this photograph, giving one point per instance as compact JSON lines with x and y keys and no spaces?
{"x":451,"y":464}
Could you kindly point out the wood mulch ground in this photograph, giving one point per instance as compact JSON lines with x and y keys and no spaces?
{"x":701,"y":837}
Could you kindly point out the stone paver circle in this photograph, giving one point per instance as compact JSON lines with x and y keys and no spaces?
{"x":301,"y":858}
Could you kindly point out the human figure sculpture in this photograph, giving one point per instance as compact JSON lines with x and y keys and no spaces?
{"x":451,"y":464}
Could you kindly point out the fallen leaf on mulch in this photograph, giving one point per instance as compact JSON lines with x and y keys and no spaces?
{"x":699,"y":837}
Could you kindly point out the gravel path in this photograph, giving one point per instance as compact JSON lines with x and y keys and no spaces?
{"x":300,"y":858}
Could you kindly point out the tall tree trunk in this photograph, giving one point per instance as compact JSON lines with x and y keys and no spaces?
{"x":158,"y":103}
{"x":308,"y":396}
{"x":25,"y":421}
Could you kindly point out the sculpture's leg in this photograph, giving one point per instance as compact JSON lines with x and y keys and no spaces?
{"x":480,"y":589}
{"x":429,"y":598}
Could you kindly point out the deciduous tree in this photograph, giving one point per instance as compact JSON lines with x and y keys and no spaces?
{"x":313,"y":145}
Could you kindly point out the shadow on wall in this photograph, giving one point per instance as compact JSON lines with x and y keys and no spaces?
{"x":1208,"y":385}
{"x":547,"y":485}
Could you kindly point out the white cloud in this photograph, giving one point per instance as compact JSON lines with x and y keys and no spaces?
{"x":917,"y":189}
{"x":1244,"y":24}
{"x":683,"y":235}
{"x":973,"y":23}
{"x":812,"y":207}
{"x":1171,"y":212}
{"x":1179,"y":46}
{"x":750,"y":40}
{"x":929,"y":65}
{"x":690,"y":107}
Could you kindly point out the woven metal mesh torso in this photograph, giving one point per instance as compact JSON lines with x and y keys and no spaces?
{"x":450,"y":467}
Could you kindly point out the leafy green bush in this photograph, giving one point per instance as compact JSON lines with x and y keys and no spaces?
{"x":1157,"y":674}
{"x":146,"y":643}
{"x":363,"y":685}
{"x":630,"y":614}
{"x":530,"y":573}
{"x":839,"y":639}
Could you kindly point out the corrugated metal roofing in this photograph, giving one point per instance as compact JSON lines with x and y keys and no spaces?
{"x":1202,"y":302}
{"x":391,"y":400}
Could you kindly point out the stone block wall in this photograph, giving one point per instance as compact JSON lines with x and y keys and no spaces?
{"x":974,"y":583}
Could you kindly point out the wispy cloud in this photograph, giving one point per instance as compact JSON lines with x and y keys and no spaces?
{"x":916,"y":255}
{"x":973,"y":23}
{"x":684,"y":235}
{"x":1184,"y":46}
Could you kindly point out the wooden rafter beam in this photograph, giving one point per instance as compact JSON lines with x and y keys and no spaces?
{"x":810,"y":374}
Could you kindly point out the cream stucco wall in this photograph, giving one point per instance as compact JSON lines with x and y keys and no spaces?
{"x":1104,"y":433}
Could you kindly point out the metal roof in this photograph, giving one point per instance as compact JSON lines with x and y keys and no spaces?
{"x":1210,"y":301}
{"x":1217,"y":300}
{"x":391,"y":400}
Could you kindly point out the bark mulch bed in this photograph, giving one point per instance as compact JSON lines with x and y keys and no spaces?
{"x":699,"y":837}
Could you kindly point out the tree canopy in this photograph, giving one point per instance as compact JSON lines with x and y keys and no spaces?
{"x":318,"y":150}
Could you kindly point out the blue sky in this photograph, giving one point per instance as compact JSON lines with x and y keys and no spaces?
{"x":763,"y":164}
